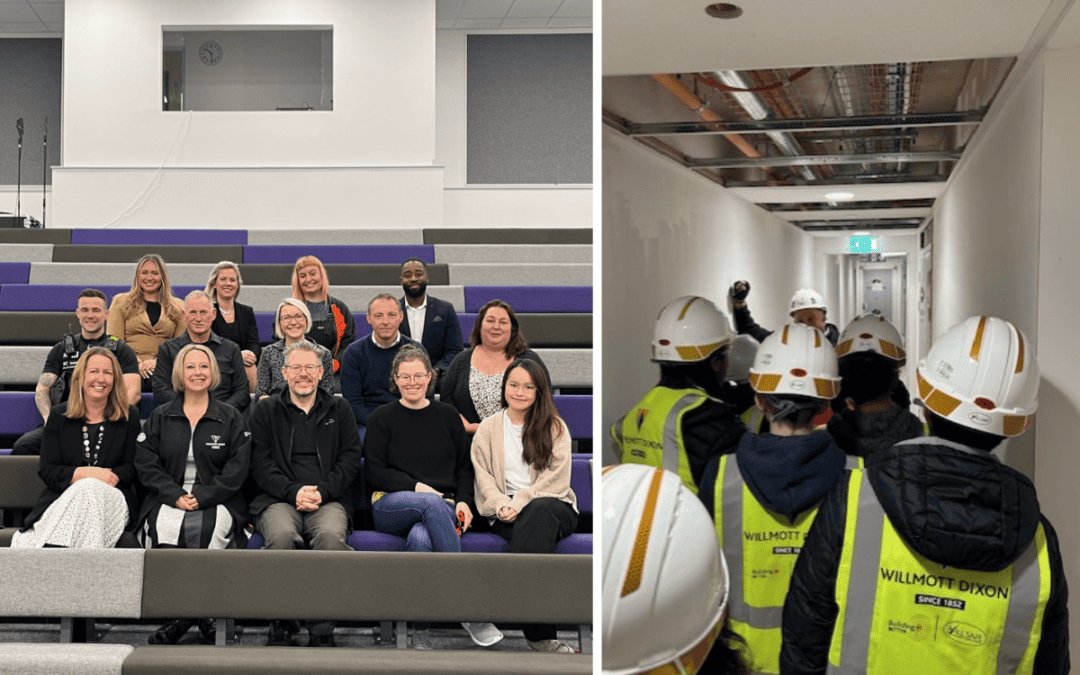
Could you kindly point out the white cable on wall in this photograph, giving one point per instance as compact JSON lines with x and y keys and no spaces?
{"x":152,"y":186}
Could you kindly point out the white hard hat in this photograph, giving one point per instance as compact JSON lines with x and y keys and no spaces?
{"x":982,"y":374}
{"x":665,"y":580}
{"x":741,"y":357}
{"x":796,"y":359}
{"x":807,"y":298}
{"x":689,"y":329}
{"x":871,"y":333}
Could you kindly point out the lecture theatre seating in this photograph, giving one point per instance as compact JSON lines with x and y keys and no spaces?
{"x":545,"y":274}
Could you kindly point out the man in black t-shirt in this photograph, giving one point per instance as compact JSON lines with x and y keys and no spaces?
{"x":54,"y":385}
{"x":305,"y":456}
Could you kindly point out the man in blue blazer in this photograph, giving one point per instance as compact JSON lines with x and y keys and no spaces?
{"x":430,"y":321}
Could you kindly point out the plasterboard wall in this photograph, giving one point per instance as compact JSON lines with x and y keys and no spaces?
{"x":986,"y":233}
{"x":668,"y":232}
{"x":1056,"y":461}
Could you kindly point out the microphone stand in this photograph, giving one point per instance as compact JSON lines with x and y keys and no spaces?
{"x":18,"y":187}
{"x":44,"y":168}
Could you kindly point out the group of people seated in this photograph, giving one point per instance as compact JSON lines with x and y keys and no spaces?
{"x":210,"y":468}
{"x":857,"y":537}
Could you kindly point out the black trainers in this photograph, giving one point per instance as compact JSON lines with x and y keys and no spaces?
{"x":170,"y":633}
{"x":208,"y":629}
{"x":281,"y":634}
{"x":322,"y":641}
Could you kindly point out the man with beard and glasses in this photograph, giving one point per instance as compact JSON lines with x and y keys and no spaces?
{"x":430,"y":321}
{"x":305,"y":456}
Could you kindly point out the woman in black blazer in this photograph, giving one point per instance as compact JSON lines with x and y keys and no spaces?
{"x":234,"y":321}
{"x":87,"y":462}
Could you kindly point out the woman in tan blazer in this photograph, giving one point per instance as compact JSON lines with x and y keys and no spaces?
{"x":148,"y":314}
{"x":521,"y":457}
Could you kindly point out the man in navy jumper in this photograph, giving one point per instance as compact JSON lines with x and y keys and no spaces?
{"x":365,"y":367}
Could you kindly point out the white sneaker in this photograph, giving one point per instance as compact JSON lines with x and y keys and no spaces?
{"x":554,"y":646}
{"x":483,"y":634}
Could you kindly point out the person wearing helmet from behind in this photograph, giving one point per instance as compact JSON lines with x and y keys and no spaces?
{"x":806,"y":307}
{"x":936,"y":556}
{"x":765,"y":496}
{"x":681,"y":423}
{"x":865,"y":417}
{"x":665,"y":582}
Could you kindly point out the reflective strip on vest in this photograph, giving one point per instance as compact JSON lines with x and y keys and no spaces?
{"x":759,"y":577}
{"x":752,"y":418}
{"x":958,"y":621}
{"x":651,"y":433}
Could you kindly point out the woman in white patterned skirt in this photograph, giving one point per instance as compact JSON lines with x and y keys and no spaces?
{"x":87,"y":462}
{"x":193,"y":459}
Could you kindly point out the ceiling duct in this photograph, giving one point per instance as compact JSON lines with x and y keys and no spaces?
{"x":757,"y":110}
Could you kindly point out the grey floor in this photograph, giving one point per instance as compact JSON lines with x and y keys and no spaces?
{"x":440,"y":637}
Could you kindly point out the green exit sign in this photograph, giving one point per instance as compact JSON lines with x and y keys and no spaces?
{"x":863,"y":244}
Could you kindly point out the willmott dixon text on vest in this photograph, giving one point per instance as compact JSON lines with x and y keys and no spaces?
{"x":930,"y":580}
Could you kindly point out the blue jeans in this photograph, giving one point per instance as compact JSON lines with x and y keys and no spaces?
{"x":429,"y":522}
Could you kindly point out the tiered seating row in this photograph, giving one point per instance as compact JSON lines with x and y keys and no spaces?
{"x":21,"y":415}
{"x":45,"y":297}
{"x":572,"y":367}
{"x":470,"y":236}
{"x":159,"y":584}
{"x":542,"y":330}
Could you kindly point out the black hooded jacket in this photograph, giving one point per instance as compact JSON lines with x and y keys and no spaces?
{"x":786,"y":474}
{"x":956,"y":506}
{"x":861,"y":434}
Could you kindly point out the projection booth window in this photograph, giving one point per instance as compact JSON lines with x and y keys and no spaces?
{"x":247,"y":70}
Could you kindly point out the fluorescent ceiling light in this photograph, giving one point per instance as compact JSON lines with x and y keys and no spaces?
{"x":839,"y":196}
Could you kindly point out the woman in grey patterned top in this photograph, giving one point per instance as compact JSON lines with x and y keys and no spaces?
{"x":290,"y":324}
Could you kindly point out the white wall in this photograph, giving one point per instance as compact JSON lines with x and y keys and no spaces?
{"x":1057,"y":462}
{"x":495,"y":206}
{"x":668,"y":232}
{"x":986,"y":232}
{"x":380,"y":135}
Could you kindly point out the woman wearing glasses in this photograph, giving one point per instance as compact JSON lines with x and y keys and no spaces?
{"x":419,"y":469}
{"x":290,"y":324}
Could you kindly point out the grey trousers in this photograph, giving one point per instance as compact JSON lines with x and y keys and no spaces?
{"x":283,"y":527}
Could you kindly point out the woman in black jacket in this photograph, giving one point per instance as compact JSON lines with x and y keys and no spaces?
{"x":234,"y":321}
{"x":87,"y":462}
{"x":473,"y":382}
{"x":193,"y":459}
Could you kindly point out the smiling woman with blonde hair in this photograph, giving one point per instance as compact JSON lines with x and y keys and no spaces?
{"x":193,"y":459}
{"x":87,"y":462}
{"x":234,"y":321}
{"x":147,"y":315}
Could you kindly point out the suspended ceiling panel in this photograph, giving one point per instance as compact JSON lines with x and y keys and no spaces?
{"x":784,"y":33}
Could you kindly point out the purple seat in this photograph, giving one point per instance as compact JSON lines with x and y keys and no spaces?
{"x":576,"y":299}
{"x":390,"y":254}
{"x":160,"y":237}
{"x":576,"y":411}
{"x":19,"y":414}
{"x":576,"y":543}
{"x":581,"y":482}
{"x":14,"y":272}
{"x":60,"y":298}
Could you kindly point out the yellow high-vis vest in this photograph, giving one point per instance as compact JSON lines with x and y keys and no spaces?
{"x":651,"y":433}
{"x":761,"y":548}
{"x":897,"y":607}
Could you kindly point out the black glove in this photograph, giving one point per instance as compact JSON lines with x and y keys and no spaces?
{"x":739,"y":290}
